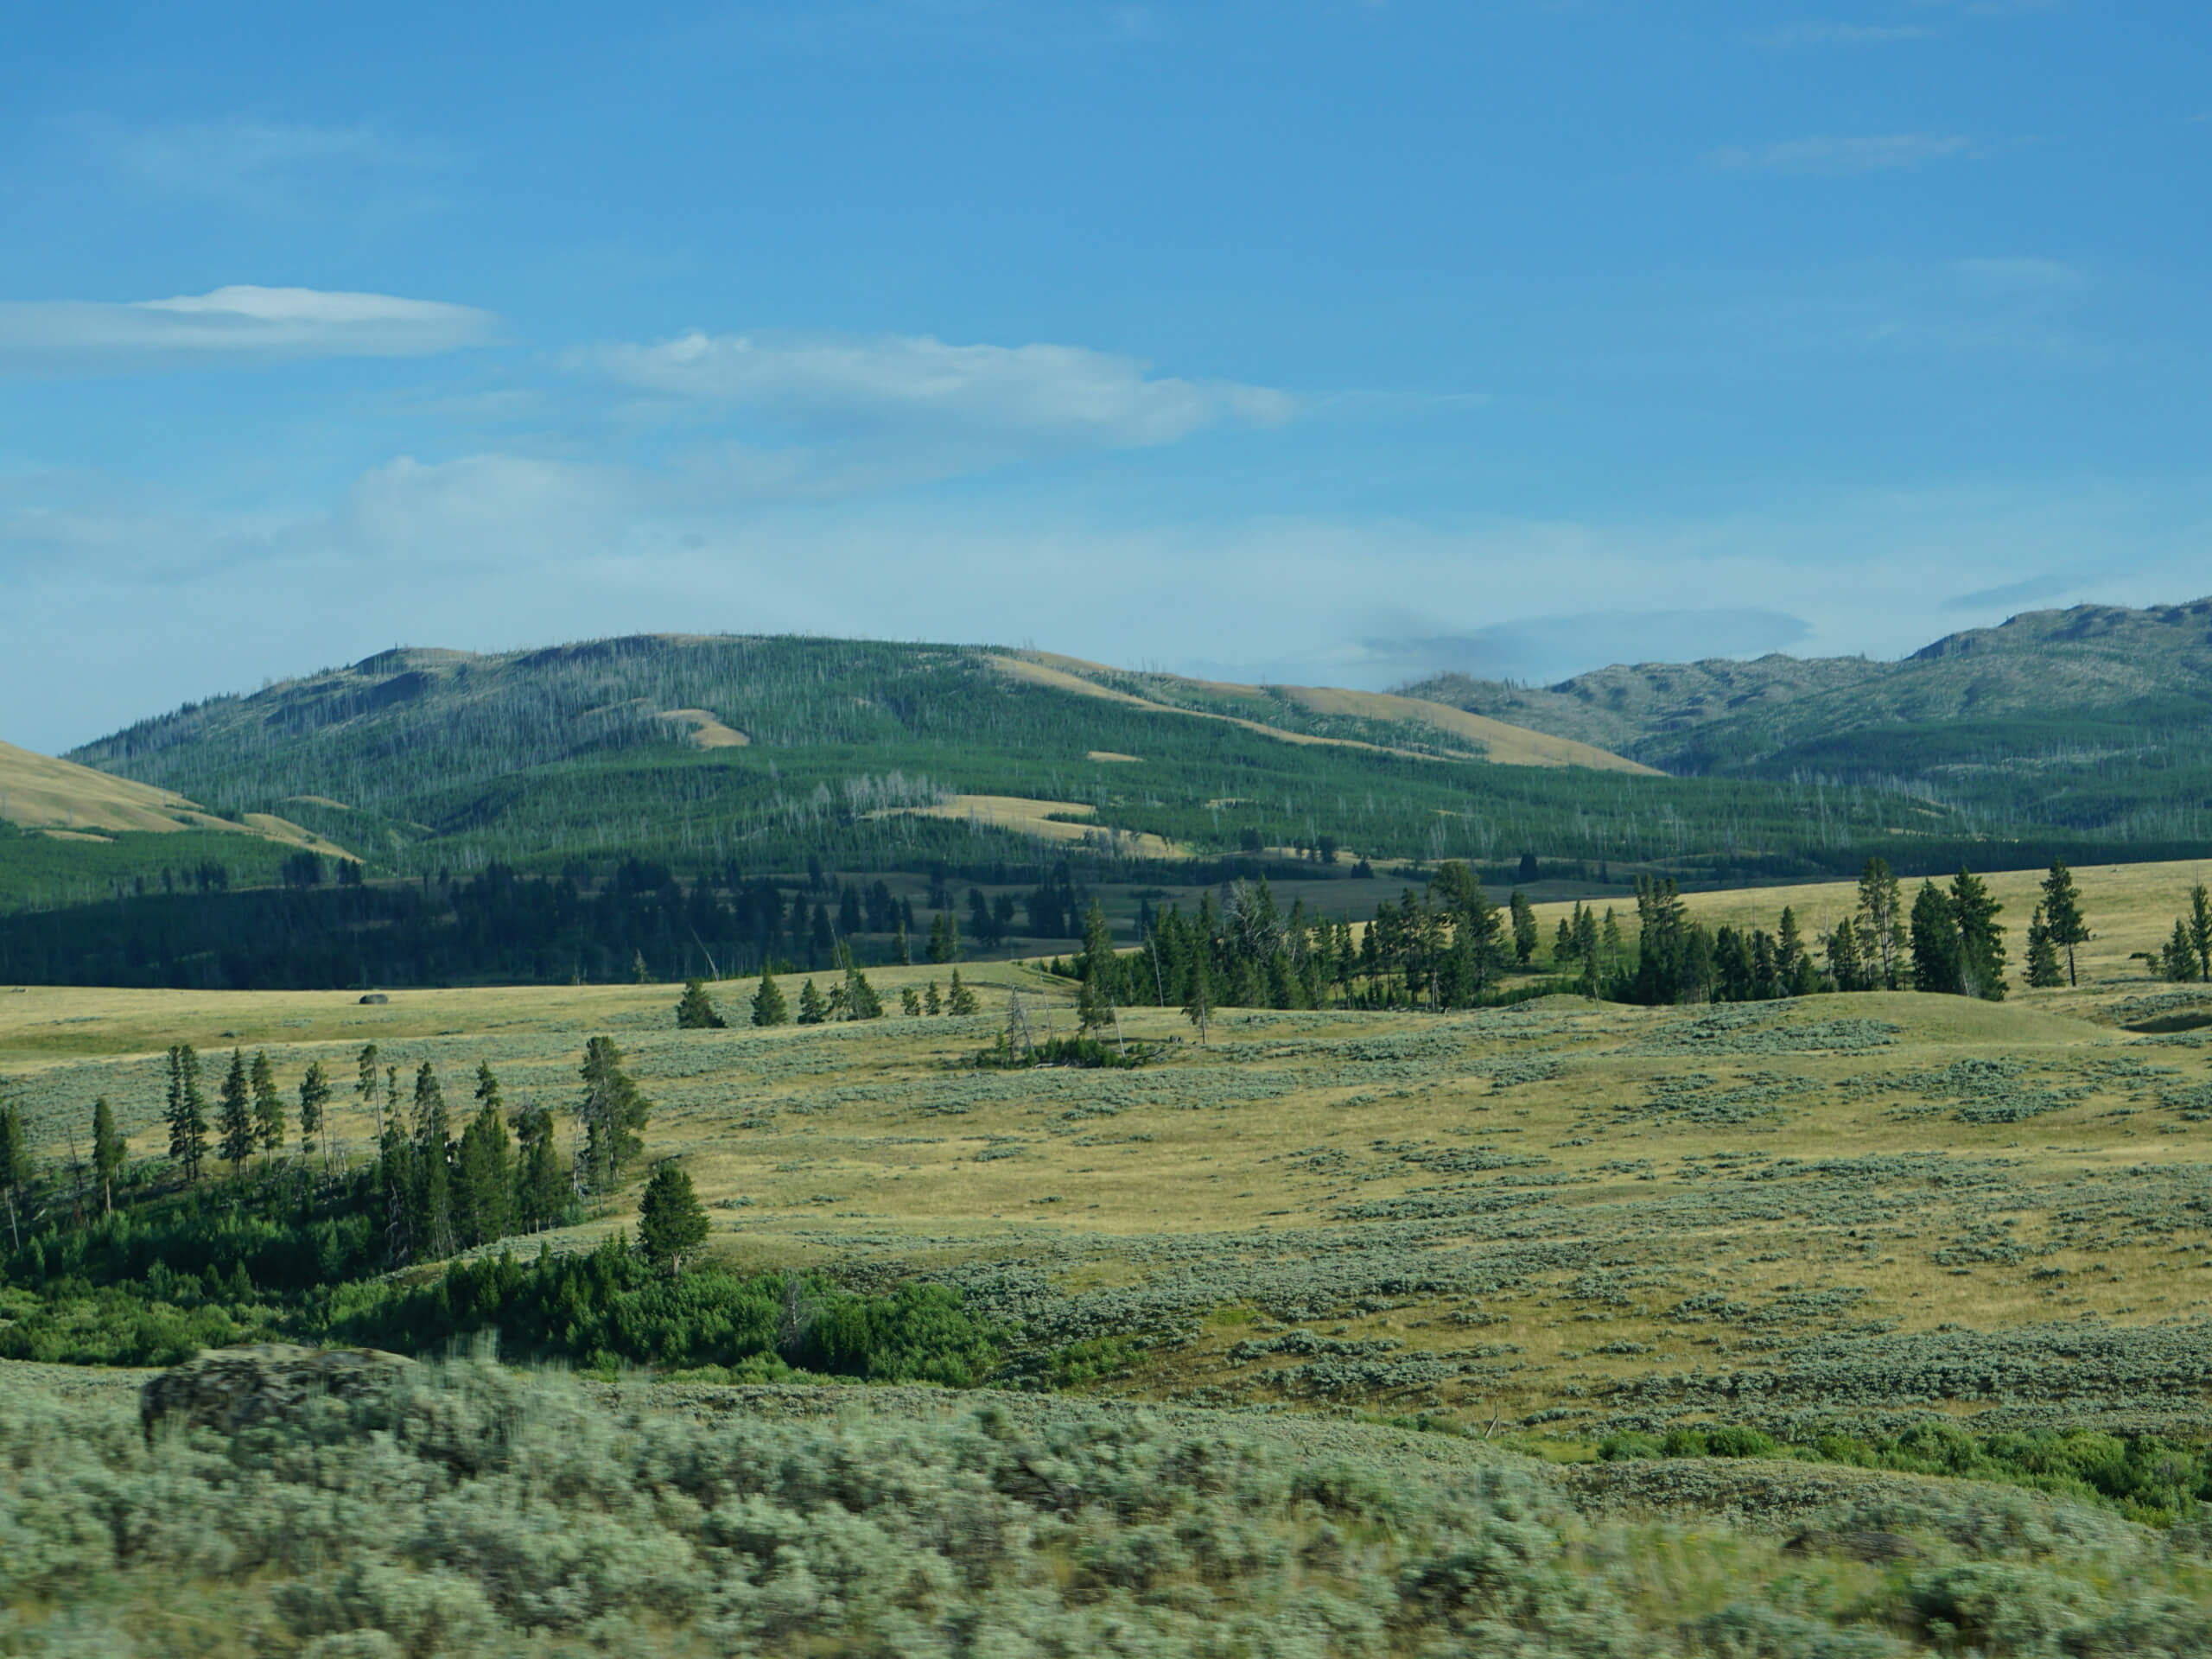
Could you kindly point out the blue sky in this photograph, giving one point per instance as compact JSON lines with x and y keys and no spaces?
{"x":1303,"y":339}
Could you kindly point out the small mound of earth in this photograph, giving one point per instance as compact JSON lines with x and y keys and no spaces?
{"x":231,"y":1388}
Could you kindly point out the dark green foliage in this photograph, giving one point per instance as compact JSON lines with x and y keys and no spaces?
{"x":812,"y":1008}
{"x":1935,"y":963}
{"x":2065,"y":923}
{"x":268,"y":1104}
{"x":186,"y":1111}
{"x":1087,"y":1053}
{"x":612,"y":1111}
{"x":696,"y":1010}
{"x":2043,"y":971}
{"x":483,"y":1172}
{"x":314,"y":1103}
{"x":1881,"y":926}
{"x":234,"y":1121}
{"x":671,"y":1222}
{"x":768,"y":1006}
{"x":110,"y":1152}
{"x":960,"y":999}
{"x":15,"y":1164}
{"x":614,"y":1306}
{"x":541,"y":1184}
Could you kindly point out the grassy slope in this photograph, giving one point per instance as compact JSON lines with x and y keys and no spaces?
{"x":1603,"y":1212}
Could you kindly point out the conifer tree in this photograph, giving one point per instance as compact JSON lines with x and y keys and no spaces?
{"x":696,"y":1010}
{"x":1198,"y":996}
{"x":484,"y":1189}
{"x":1981,"y":939}
{"x":2062,"y":917}
{"x":365,"y":1085}
{"x":434,"y":1199}
{"x":2200,"y":928}
{"x":1881,"y":924}
{"x":812,"y":1009}
{"x":1788,"y":953}
{"x":1845,"y":966}
{"x":612,"y":1111}
{"x":2179,"y":960}
{"x":2043,"y":970}
{"x":234,"y":1114}
{"x":1935,"y":965}
{"x":314,"y":1104}
{"x":110,"y":1150}
{"x":1094,"y":998}
{"x":902,"y":954}
{"x":1524,"y":927}
{"x":932,"y":1002}
{"x":268,"y":1105}
{"x":862,"y":1002}
{"x":671,"y":1222}
{"x":15,"y":1167}
{"x":960,"y":1000}
{"x":768,"y":1006}
{"x":187,"y":1112}
{"x":541,"y":1192}
{"x":944,"y":939}
{"x":910,"y":1001}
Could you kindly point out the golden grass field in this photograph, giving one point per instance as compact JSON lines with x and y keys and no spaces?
{"x":1564,"y":1207}
{"x":77,"y":802}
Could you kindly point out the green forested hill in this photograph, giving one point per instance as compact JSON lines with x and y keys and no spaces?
{"x":429,"y":761}
{"x":2096,"y":720}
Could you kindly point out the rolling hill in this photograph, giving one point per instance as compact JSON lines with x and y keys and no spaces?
{"x":2096,"y":719}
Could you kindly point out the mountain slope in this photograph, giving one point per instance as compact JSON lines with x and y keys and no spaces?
{"x":439,"y":759}
{"x":63,"y":799}
{"x":2098,"y":718}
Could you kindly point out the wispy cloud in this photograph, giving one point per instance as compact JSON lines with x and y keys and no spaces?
{"x":2017,"y":592}
{"x":1816,"y":33}
{"x":245,"y":162}
{"x":237,"y":325}
{"x":1839,"y":155}
{"x":1039,"y":397}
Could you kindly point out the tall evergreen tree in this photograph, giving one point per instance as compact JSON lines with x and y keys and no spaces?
{"x":613,"y":1111}
{"x":931,"y":1003}
{"x":812,"y":1009}
{"x":2200,"y":928}
{"x":365,"y":1086}
{"x":671,"y":1222}
{"x":1524,"y":927}
{"x":2179,"y":960}
{"x":1881,"y":924}
{"x":1790,"y":960}
{"x":1981,"y":939}
{"x":268,"y":1106}
{"x":187,"y":1112}
{"x":434,"y":1198}
{"x":15,"y":1167}
{"x":2062,"y":917}
{"x":484,"y":1183}
{"x":1197,"y":995}
{"x":696,"y":1010}
{"x":1095,"y":996}
{"x":2043,"y":971}
{"x":234,"y":1114}
{"x":1936,"y":964}
{"x":1845,"y":966}
{"x":314,"y":1109}
{"x":768,"y":1006}
{"x":862,"y":1002}
{"x":960,"y":999}
{"x":944,"y":940}
{"x":110,"y":1150}
{"x":540,"y":1190}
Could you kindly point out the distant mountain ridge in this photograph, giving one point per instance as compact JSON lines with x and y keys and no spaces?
{"x":2064,"y":688}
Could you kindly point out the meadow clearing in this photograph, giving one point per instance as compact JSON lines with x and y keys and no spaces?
{"x":1565,"y":1218}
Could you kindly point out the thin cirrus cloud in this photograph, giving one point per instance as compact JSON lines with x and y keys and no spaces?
{"x":231,"y":326}
{"x":1835,"y":156}
{"x":1038,"y":396}
{"x":246,"y":162}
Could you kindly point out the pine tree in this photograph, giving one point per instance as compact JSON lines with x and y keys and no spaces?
{"x":483,"y":1191}
{"x":1789,"y":954}
{"x":234,"y":1114}
{"x":434,"y":1204}
{"x":2062,"y":915}
{"x":932,"y":1002}
{"x":2179,"y":960}
{"x":960,"y":1000}
{"x":110,"y":1150}
{"x":696,"y":1010}
{"x":541,"y":1192}
{"x":861,"y":1001}
{"x":902,"y":954}
{"x":1198,"y":996}
{"x":812,"y":1009}
{"x":365,"y":1086}
{"x":1524,"y":927}
{"x":15,"y":1167}
{"x":314,"y":1103}
{"x":910,"y":1001}
{"x":1881,"y":924}
{"x":612,"y":1111}
{"x":2200,"y":928}
{"x":2043,"y":970}
{"x":1845,"y":966}
{"x":268,"y":1105}
{"x":944,"y":940}
{"x":671,"y":1222}
{"x":1935,"y":965}
{"x":768,"y":1006}
{"x":1981,"y":939}
{"x":187,"y":1112}
{"x":1095,"y":1000}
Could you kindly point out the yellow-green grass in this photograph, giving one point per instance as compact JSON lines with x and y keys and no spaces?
{"x":78,"y":803}
{"x":869,"y":1146}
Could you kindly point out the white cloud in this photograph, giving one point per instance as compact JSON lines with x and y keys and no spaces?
{"x":1835,"y":156}
{"x":231,"y":325}
{"x":1813,"y":33}
{"x":244,"y":161}
{"x":1038,"y":397}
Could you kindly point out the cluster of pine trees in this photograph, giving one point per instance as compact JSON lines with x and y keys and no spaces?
{"x":2187,"y":953}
